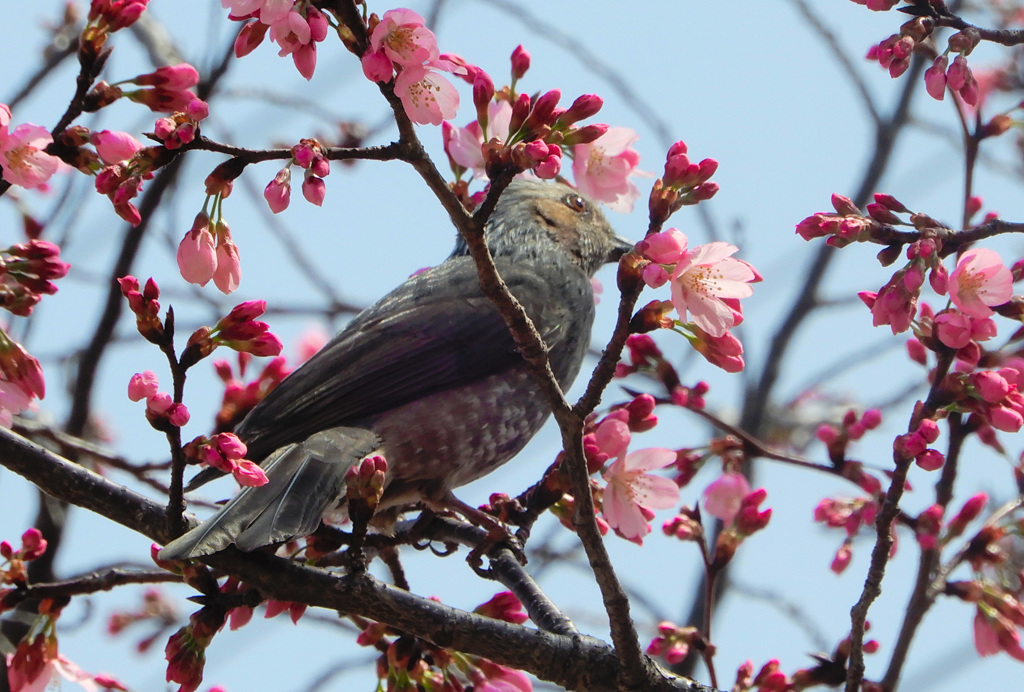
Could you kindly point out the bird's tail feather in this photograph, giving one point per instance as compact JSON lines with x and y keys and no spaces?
{"x":304,"y":481}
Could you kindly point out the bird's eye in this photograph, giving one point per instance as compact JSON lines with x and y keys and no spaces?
{"x":576,"y":203}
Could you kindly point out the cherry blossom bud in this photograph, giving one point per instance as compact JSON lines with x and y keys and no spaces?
{"x":142,"y":385}
{"x":520,"y":63}
{"x":314,"y":190}
{"x":278,"y":191}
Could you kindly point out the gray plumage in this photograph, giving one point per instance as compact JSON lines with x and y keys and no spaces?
{"x":429,"y":377}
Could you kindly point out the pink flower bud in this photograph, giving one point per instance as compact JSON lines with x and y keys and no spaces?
{"x":520,"y":63}
{"x":278,"y":191}
{"x":142,"y":385}
{"x":314,"y":190}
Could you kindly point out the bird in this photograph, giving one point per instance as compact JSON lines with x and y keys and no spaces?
{"x":429,"y":377}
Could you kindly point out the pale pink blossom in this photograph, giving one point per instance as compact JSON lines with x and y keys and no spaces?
{"x":228,"y":275}
{"x":114,"y":147}
{"x":13,"y":400}
{"x":602,"y":168}
{"x":428,"y":98}
{"x":980,"y":281}
{"x":404,"y":38}
{"x":297,"y":36}
{"x":270,"y":11}
{"x":464,"y":144}
{"x":704,"y":279}
{"x":724,"y":497}
{"x":196,"y":256}
{"x":631,"y":489}
{"x":23,"y":156}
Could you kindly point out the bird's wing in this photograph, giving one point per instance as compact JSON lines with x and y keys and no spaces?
{"x":435,"y":332}
{"x":304,"y":481}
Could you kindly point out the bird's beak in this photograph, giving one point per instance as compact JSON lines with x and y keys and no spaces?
{"x":620,"y":246}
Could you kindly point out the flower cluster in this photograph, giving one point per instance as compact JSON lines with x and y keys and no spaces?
{"x":979,"y":282}
{"x":533,"y":134}
{"x":208,"y":252}
{"x":146,"y":307}
{"x":631,"y":491}
{"x":411,"y":663}
{"x":238,"y":330}
{"x":161,"y":410}
{"x":240,"y":397}
{"x":401,"y":43}
{"x":849,"y":514}
{"x":673,"y":642}
{"x":27,"y":272}
{"x":294,"y":26}
{"x":156,"y":609}
{"x":33,"y":545}
{"x":225,"y":452}
{"x":706,"y":285}
{"x":108,"y":16}
{"x":308,"y":154}
{"x":894,"y":55}
{"x":23,"y":156}
{"x":852,"y":427}
{"x":683,"y":183}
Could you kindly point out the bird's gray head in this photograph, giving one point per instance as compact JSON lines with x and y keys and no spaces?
{"x":533,"y":217}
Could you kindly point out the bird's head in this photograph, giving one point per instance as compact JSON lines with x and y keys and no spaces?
{"x":533,"y":217}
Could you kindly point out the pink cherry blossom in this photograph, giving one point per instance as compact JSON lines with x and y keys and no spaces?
{"x":13,"y":400}
{"x":404,"y":38}
{"x":630,"y":489}
{"x":23,"y":156}
{"x":980,"y":281}
{"x":464,"y":143}
{"x":724,"y":497}
{"x":602,"y":168}
{"x":704,"y":278}
{"x":428,"y":97}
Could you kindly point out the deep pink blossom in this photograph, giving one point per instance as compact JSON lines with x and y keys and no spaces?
{"x":142,"y":385}
{"x":665,"y":247}
{"x":980,"y":281}
{"x":602,"y":168}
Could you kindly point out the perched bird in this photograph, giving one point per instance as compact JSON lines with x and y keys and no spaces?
{"x":429,"y":377}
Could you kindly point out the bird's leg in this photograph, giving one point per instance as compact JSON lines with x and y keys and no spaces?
{"x":497,"y":534}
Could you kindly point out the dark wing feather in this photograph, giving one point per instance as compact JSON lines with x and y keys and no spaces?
{"x":304,"y":481}
{"x":435,"y":332}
